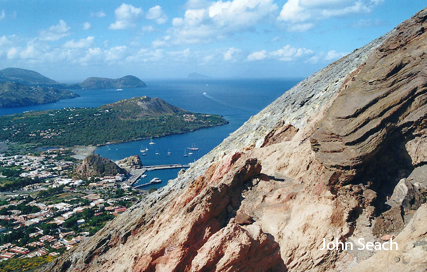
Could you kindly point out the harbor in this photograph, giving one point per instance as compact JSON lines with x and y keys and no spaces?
{"x":136,"y":174}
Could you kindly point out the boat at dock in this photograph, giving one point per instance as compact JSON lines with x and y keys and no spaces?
{"x":155,"y":180}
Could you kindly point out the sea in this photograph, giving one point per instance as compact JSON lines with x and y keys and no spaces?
{"x":236,"y":100}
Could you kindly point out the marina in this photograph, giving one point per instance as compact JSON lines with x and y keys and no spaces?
{"x":137,"y":174}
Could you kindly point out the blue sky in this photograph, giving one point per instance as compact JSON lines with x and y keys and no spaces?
{"x":70,"y":40}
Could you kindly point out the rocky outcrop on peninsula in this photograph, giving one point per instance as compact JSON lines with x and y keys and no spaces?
{"x":97,"y":166}
{"x":132,"y":162}
{"x":338,"y":158}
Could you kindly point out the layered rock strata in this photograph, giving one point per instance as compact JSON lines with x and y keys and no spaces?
{"x":318,"y":165}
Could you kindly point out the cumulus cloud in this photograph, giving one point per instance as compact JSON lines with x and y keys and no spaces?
{"x":5,"y":43}
{"x":260,"y":55}
{"x":12,"y":53}
{"x":218,"y":20}
{"x":286,"y":53}
{"x":2,"y":14}
{"x":231,"y":54}
{"x":289,"y":53}
{"x":146,"y":55}
{"x":334,"y":55}
{"x":329,"y":56}
{"x":83,"y":43}
{"x":300,"y":14}
{"x":126,"y":16}
{"x":55,"y":32}
{"x":156,"y":13}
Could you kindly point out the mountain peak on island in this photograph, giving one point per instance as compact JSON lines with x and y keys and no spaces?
{"x":128,"y":81}
{"x":197,"y":76}
{"x":142,"y":107}
{"x":24,"y":76}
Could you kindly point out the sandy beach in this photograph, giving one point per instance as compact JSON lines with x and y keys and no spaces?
{"x":83,"y":151}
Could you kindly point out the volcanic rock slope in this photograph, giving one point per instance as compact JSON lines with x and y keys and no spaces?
{"x":341,"y":156}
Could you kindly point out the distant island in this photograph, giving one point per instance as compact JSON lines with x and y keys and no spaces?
{"x":123,"y":121}
{"x":198,"y":76}
{"x":25,"y":77}
{"x":18,"y":95}
{"x":109,"y":83}
{"x":21,"y":87}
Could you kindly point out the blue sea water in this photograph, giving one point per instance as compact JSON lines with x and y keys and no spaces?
{"x":236,"y":100}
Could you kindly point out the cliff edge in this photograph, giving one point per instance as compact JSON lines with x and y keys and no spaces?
{"x":339,"y":158}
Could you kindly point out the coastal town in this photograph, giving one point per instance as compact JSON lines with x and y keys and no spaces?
{"x":46,"y":209}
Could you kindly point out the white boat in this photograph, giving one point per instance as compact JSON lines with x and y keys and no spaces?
{"x":185,"y":153}
{"x":144,"y":176}
{"x":169,"y":153}
{"x":193,"y":148}
{"x":152,"y":142}
{"x":155,"y":180}
{"x":119,"y":89}
{"x":157,"y":153}
{"x":190,"y":153}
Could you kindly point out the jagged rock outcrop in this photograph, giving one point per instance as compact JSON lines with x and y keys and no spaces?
{"x":97,"y":166}
{"x":318,"y":165}
{"x":132,"y":162}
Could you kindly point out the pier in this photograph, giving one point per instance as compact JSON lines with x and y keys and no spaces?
{"x":137,"y":173}
{"x":165,"y":166}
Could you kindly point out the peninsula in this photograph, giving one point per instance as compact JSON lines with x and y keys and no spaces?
{"x":123,"y":121}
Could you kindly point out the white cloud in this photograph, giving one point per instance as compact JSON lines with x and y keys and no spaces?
{"x":12,"y":53}
{"x":327,"y":57}
{"x":86,"y":26}
{"x":116,"y":53}
{"x":146,"y":55}
{"x":55,"y":32}
{"x":83,"y":43}
{"x":289,"y":53}
{"x":218,"y":20}
{"x":156,"y":13}
{"x":300,"y":27}
{"x":30,"y":52}
{"x":231,"y":53}
{"x":98,"y":14}
{"x":6,"y":42}
{"x":334,"y":55}
{"x":286,"y":53}
{"x":260,"y":55}
{"x":300,"y":14}
{"x":91,"y":56}
{"x":126,"y":17}
{"x":2,"y":14}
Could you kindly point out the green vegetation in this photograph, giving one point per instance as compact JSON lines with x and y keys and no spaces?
{"x":50,"y":192}
{"x":119,"y":122}
{"x":18,"y":95}
{"x":24,"y":264}
{"x":109,"y":83}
